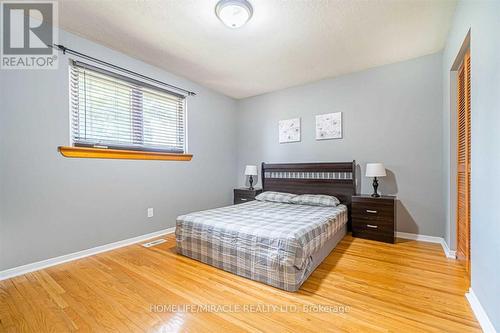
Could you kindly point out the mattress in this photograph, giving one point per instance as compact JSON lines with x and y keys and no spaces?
{"x":273,"y":243}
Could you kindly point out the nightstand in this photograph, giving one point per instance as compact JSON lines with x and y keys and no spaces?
{"x":374,"y":218}
{"x":242,"y":195}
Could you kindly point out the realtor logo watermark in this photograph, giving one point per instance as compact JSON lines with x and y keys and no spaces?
{"x":28,"y":30}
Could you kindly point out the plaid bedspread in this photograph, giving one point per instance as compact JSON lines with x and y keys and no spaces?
{"x":265,"y":241}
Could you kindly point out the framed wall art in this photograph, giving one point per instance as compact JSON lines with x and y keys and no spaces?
{"x":329,"y":126}
{"x":289,"y":130}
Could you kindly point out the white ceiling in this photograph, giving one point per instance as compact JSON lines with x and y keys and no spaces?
{"x":286,"y":43}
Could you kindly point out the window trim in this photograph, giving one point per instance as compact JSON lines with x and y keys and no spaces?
{"x":82,"y":150}
{"x":106,"y":153}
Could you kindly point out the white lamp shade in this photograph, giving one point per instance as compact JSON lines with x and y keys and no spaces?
{"x":375,"y":170}
{"x":251,"y":170}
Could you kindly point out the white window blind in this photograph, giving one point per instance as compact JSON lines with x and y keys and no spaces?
{"x":114,"y":111}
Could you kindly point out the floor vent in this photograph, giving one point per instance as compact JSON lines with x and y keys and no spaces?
{"x":153,"y":243}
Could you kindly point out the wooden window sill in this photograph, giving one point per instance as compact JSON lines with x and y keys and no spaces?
{"x":85,"y":152}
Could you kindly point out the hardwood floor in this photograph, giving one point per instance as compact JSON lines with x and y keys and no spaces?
{"x":406,"y":287}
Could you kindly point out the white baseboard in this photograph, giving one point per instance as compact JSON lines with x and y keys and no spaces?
{"x":479,"y":312}
{"x":452,"y":254}
{"x":20,"y":270}
{"x":431,"y":239}
{"x":418,"y":237}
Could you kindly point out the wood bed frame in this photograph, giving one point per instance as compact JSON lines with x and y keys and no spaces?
{"x":337,"y":179}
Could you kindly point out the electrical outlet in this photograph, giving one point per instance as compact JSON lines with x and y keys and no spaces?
{"x":150,"y":212}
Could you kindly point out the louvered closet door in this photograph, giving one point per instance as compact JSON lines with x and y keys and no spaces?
{"x":463,"y":163}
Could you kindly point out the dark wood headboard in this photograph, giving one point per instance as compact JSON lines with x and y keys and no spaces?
{"x":337,"y":179}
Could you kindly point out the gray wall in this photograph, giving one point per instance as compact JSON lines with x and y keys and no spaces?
{"x":391,"y":114}
{"x":51,"y":205}
{"x":483,"y":20}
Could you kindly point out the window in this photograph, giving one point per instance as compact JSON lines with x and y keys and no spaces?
{"x":109,"y":110}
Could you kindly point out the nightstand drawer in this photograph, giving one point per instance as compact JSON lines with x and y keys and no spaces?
{"x":380,"y":222}
{"x":381,"y":226}
{"x":240,"y":199}
{"x":373,"y":212}
{"x":374,"y":234}
{"x":244,"y":194}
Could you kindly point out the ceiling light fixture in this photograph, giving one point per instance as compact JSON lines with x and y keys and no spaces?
{"x":234,"y":13}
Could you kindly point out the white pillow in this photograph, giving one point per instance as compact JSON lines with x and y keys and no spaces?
{"x":316,"y":200}
{"x":275,"y":197}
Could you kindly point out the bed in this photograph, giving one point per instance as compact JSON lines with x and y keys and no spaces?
{"x":279,"y":244}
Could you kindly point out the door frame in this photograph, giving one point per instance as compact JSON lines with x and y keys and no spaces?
{"x":465,"y":63}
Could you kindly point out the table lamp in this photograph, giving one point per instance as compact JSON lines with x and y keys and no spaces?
{"x":251,"y":170}
{"x":375,"y":170}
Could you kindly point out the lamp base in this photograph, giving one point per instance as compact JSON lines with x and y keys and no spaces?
{"x":250,"y":180}
{"x":375,"y":187}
